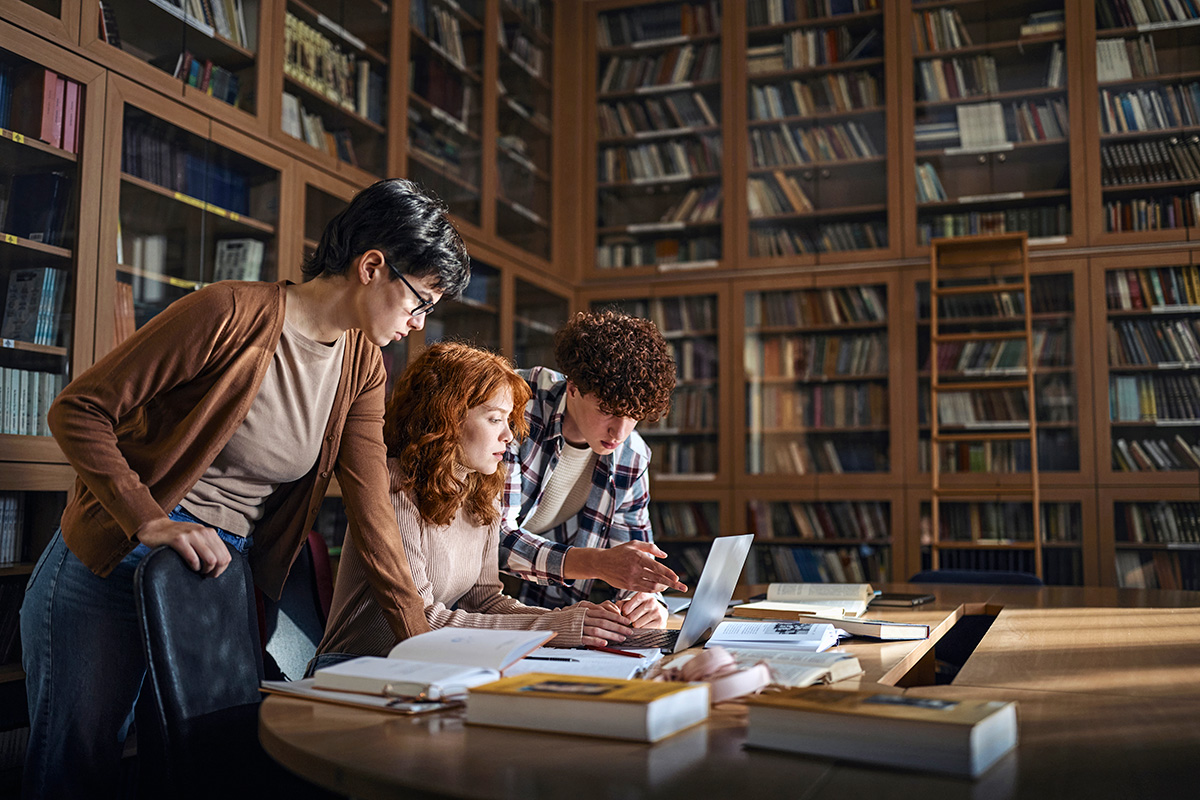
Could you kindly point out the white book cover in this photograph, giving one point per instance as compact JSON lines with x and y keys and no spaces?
{"x":774,"y":635}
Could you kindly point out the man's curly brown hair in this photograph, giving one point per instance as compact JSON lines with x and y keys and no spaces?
{"x":622,"y":360}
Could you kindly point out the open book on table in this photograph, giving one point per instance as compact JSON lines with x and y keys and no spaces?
{"x":585,"y":662}
{"x":792,"y":600}
{"x":437,"y":665}
{"x":773,"y":635}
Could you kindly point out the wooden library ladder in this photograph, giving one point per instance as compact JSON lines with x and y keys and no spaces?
{"x":997,"y":258}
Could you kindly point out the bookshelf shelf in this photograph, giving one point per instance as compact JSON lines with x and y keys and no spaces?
{"x":11,"y":673}
{"x":451,"y":61}
{"x":1155,"y":79}
{"x":36,"y":144}
{"x":328,"y":25}
{"x":851,"y":17}
{"x":825,"y":114}
{"x":815,"y":70}
{"x":11,"y":570}
{"x":331,"y":106}
{"x":13,"y":240}
{"x":194,"y":202}
{"x":29,"y":347}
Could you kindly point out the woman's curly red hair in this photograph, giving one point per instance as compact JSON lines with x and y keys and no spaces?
{"x":624,"y":361}
{"x":424,"y":417}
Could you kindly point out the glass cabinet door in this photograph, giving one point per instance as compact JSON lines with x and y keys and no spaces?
{"x":539,"y":314}
{"x":472,"y":318}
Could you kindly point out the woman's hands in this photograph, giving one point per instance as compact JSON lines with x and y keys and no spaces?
{"x":603,"y":624}
{"x":202,"y":550}
{"x":643,"y":610}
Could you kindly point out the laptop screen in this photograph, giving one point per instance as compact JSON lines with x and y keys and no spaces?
{"x":715,"y":588}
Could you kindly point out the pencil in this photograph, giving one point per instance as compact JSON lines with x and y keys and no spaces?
{"x":614,"y":651}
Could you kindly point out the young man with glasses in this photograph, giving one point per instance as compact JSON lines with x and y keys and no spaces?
{"x":215,"y":430}
{"x":576,"y":495}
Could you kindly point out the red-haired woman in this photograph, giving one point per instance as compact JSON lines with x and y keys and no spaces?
{"x":447,"y":428}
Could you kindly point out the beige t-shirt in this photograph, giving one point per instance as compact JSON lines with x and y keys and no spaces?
{"x":566,"y":491}
{"x":279,"y":440}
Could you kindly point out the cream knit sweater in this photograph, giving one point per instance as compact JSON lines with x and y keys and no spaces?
{"x":455,"y":571}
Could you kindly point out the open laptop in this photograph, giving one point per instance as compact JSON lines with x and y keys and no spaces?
{"x":713,"y":593}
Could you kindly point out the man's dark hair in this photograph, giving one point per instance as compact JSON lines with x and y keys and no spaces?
{"x":622,"y":360}
{"x":410,"y":226}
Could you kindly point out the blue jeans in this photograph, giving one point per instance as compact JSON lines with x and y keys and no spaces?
{"x":83,"y":669}
{"x":326,"y":660}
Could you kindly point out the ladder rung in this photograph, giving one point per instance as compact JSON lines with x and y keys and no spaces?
{"x":973,"y":386}
{"x":979,"y":336}
{"x":984,"y":437}
{"x":984,"y":491}
{"x":982,"y":288}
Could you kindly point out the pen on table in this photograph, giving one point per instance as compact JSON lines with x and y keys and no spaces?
{"x":549,"y":658}
{"x":614,"y":650}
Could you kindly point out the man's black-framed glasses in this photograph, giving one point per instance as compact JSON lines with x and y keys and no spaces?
{"x":424,"y":306}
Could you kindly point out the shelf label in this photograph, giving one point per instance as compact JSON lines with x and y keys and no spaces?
{"x":10,"y":344}
{"x":969,"y":151}
{"x":672,"y":266}
{"x":16,"y":137}
{"x":342,"y":32}
{"x":1044,"y":240}
{"x":988,"y":198}
{"x":180,"y":283}
{"x":646,"y":227}
{"x":191,"y":201}
{"x":220,"y":212}
{"x":10,"y":239}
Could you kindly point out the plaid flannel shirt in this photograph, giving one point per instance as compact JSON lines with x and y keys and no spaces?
{"x":615,"y":511}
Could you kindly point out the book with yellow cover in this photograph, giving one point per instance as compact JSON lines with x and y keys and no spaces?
{"x":959,"y":737}
{"x":622,"y":709}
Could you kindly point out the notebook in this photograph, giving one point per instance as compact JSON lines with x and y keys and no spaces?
{"x":713,"y":593}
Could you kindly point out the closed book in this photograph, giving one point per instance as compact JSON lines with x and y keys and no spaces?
{"x":852,"y":598}
{"x":958,"y":737}
{"x":433,"y":666}
{"x":644,"y":711}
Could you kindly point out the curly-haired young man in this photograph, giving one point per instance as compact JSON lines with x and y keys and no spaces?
{"x":575,"y":500}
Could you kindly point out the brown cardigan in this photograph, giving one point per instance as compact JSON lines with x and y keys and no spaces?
{"x":141,"y":426}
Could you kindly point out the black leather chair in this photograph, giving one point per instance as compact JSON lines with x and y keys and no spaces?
{"x":198,"y":734}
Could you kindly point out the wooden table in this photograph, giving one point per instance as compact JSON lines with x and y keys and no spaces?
{"x":1108,"y":684}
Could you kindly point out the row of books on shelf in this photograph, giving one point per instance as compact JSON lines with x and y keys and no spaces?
{"x":834,"y":92}
{"x":678,"y":458}
{"x":929,"y":185}
{"x":1162,"y":213}
{"x":813,"y":454}
{"x":818,"y":408}
{"x":212,"y":79}
{"x":300,"y":123}
{"x":33,"y":305}
{"x":225,"y":18}
{"x":677,"y":65}
{"x":1005,"y":407}
{"x":1159,"y":108}
{"x":522,"y":50}
{"x":813,"y":47}
{"x":1150,"y":161}
{"x":1038,"y":221}
{"x":778,"y":12}
{"x":967,"y":457}
{"x":868,"y":521}
{"x":1161,"y":523}
{"x":793,"y":146}
{"x":1051,"y":348}
{"x":808,"y":358}
{"x":12,"y":527}
{"x":451,"y":96}
{"x":699,"y":204}
{"x":652,"y":114}
{"x":440,"y":25}
{"x":40,"y":103}
{"x":27,"y":397}
{"x":784,"y":564}
{"x":1149,"y":342}
{"x":656,"y":23}
{"x":620,"y":252}
{"x":148,"y":153}
{"x":692,"y":408}
{"x":1124,"y":59}
{"x":689,"y":314}
{"x":776,"y":194}
{"x":1049,"y":294}
{"x":666,"y":160}
{"x":955,"y":78}
{"x":1153,"y":288}
{"x":824,"y":237}
{"x":1154,"y":398}
{"x":1157,"y":570}
{"x":834,"y":306}
{"x":1129,"y":13}
{"x":684,"y":520}
{"x":939,"y":29}
{"x":36,"y":206}
{"x":315,"y":61}
{"x":1155,"y":455}
{"x":1060,"y":566}
{"x":695,"y":358}
{"x":1007,"y":521}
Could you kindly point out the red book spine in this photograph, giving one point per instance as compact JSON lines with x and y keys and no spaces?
{"x":70,"y":133}
{"x":53,"y":134}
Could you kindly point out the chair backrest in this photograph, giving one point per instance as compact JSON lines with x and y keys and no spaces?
{"x":981,"y":576}
{"x":294,"y":625}
{"x":200,"y":638}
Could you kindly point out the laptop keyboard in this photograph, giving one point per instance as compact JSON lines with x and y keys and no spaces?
{"x":651,"y":637}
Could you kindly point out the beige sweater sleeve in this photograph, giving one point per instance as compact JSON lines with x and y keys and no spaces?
{"x":484,"y":605}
